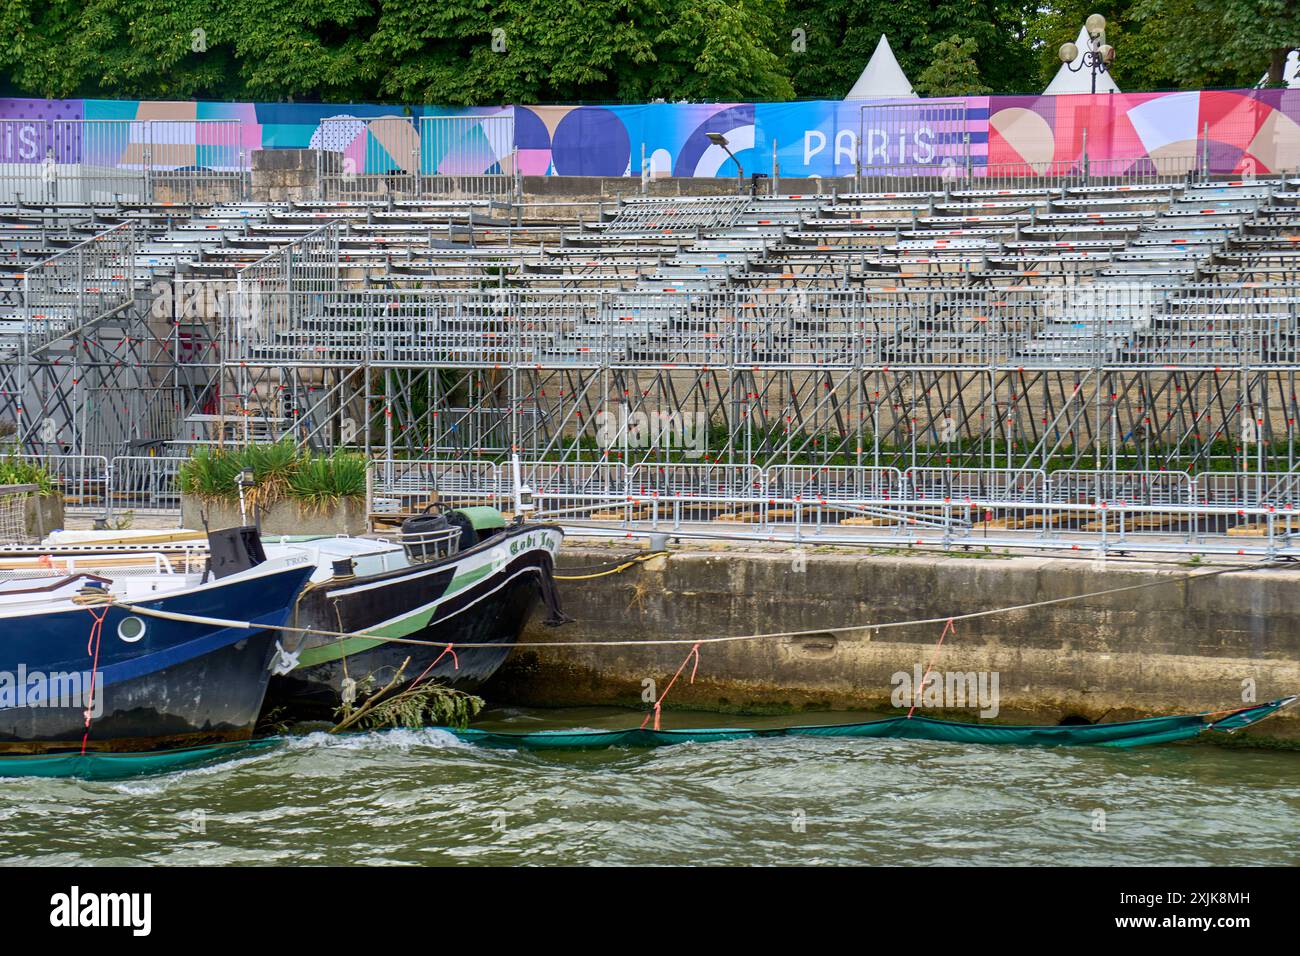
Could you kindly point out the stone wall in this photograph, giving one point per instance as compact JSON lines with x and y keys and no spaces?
{"x":1184,"y":646}
{"x":292,"y":174}
{"x":289,"y":174}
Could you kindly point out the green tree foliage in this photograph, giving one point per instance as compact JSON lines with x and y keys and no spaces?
{"x":314,"y":49}
{"x":1176,"y":44}
{"x":556,"y":51}
{"x":443,"y":51}
{"x":1207,"y":43}
{"x":35,"y":40}
{"x":418,"y":51}
{"x":842,"y":35}
{"x":952,"y":70}
{"x":181,"y":49}
{"x":723,"y":51}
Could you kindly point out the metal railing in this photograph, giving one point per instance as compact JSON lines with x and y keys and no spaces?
{"x":1105,"y":512}
{"x":912,"y":145}
{"x":145,"y":484}
{"x":407,"y":486}
{"x":955,"y":508}
{"x":312,"y":320}
{"x":470,"y":156}
{"x":463,"y":156}
{"x":83,"y":480}
{"x":78,"y":286}
{"x":105,"y":161}
{"x":954,"y":170}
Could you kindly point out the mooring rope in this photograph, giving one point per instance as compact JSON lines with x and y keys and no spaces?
{"x":659,"y":699}
{"x":339,"y":636}
{"x":618,"y":569}
{"x":934,"y":659}
{"x":92,"y":651}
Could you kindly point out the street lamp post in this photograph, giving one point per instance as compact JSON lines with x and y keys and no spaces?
{"x":717,"y":139}
{"x":1099,"y":55}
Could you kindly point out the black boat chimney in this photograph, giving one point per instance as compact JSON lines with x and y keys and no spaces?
{"x":232,"y":550}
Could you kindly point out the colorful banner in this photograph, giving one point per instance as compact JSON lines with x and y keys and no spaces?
{"x":1243,"y":131}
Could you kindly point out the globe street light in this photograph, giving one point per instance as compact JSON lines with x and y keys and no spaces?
{"x":1099,"y":55}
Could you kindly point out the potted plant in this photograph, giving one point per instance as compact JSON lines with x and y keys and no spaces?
{"x":43,"y":510}
{"x":288,"y":490}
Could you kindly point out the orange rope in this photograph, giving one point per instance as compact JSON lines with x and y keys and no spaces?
{"x":96,"y":631}
{"x":445,"y":651}
{"x":933,"y":658}
{"x":695,"y":653}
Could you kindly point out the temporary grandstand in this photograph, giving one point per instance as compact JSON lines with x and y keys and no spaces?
{"x":1054,"y":356}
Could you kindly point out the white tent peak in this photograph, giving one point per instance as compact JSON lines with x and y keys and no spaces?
{"x":883,"y":78}
{"x":1079,"y":80}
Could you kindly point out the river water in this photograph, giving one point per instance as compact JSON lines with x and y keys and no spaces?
{"x":422,"y":797}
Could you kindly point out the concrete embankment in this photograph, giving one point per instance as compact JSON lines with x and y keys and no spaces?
{"x":1187,"y":645}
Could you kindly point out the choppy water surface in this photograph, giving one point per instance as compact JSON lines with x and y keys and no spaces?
{"x":422,"y":797}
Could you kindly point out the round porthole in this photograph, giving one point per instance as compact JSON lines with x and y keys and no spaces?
{"x":131,"y":629}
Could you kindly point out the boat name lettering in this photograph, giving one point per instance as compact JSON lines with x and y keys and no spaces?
{"x":534,"y":539}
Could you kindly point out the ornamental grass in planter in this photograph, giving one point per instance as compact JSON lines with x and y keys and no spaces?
{"x":43,"y":511}
{"x":290,"y":485}
{"x":17,"y":470}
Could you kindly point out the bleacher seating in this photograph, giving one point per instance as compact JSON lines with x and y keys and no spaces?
{"x":1035,"y":276}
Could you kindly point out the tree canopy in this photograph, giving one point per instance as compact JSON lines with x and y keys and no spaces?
{"x":952,"y":70}
{"x":468,"y":52}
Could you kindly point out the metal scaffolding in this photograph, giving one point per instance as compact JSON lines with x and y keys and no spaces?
{"x":1056,"y":360}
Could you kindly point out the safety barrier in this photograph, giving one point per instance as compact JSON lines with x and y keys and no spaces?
{"x":145,"y":484}
{"x":957,"y":508}
{"x":103,"y":161}
{"x":1106,"y":512}
{"x":84,"y":481}
{"x":463,"y":156}
{"x":406,"y":487}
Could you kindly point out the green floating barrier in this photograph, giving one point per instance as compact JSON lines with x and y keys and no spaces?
{"x":119,"y":766}
{"x":1132,"y":733}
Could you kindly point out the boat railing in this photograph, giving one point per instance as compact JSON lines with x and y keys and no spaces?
{"x":430,"y":545}
{"x":138,"y":564}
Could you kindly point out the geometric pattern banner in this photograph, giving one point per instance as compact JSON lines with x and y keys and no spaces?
{"x":1236,"y":131}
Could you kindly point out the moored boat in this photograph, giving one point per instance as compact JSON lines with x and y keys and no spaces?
{"x":459,"y":577}
{"x":453,"y":577}
{"x":98,"y":662}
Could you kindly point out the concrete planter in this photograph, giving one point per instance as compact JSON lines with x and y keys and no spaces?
{"x":283,"y":517}
{"x":43,"y":514}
